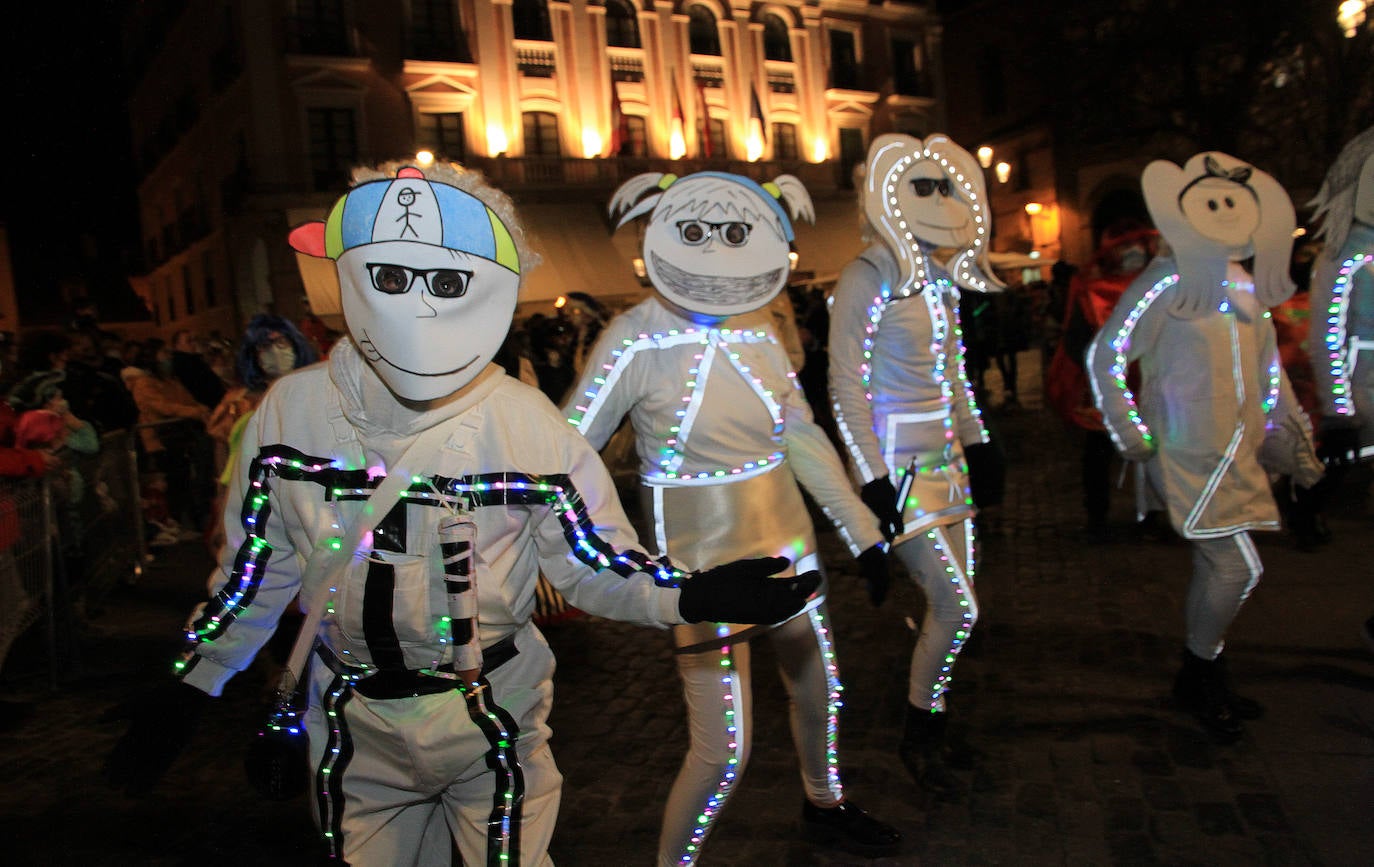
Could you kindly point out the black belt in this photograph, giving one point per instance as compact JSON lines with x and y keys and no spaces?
{"x":409,"y":683}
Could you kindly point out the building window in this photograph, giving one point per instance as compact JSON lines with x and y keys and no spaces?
{"x":207,"y":270}
{"x":531,"y":20}
{"x":784,"y":141}
{"x":844,"y":60}
{"x":333,"y":143}
{"x":777,"y":43}
{"x":443,"y":134}
{"x":720,"y":145}
{"x":907,"y":75}
{"x":702,"y":34}
{"x":317,"y":27}
{"x":622,"y":25}
{"x":635,"y":142}
{"x":435,"y":32}
{"x":541,"y":134}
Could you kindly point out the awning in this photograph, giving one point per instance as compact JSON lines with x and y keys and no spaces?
{"x":579,"y":252}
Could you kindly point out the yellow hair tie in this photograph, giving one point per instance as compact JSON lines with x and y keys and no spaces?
{"x":772,"y":189}
{"x":667,"y":181}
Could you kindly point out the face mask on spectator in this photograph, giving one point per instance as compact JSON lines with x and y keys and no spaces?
{"x":277,"y":360}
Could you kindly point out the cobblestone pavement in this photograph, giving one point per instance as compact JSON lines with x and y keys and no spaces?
{"x":1064,"y":687}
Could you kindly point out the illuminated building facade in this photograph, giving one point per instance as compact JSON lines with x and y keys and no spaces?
{"x":247,"y":114}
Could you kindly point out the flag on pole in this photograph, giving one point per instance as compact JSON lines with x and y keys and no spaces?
{"x":756,"y":114}
{"x":703,"y":122}
{"x":619,"y":126}
{"x":677,"y":136}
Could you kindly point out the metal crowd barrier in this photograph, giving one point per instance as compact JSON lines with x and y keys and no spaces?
{"x":67,"y":541}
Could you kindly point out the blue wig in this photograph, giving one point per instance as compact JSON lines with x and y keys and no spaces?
{"x":255,"y":337}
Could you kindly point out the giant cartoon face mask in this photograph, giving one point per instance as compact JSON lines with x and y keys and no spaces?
{"x":921,"y":195}
{"x":428,"y":276}
{"x":1215,"y":209}
{"x":716,"y":244}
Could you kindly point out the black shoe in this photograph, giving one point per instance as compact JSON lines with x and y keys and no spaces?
{"x":850,"y":828}
{"x":1242,"y":708}
{"x":1200,"y":690}
{"x":929,"y":756}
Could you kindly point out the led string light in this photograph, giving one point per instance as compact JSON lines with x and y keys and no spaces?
{"x":1335,"y":337}
{"x":1120,"y":344}
{"x":911,"y":245}
{"x":960,"y":579}
{"x":671,"y":453}
{"x":338,"y":751}
{"x":501,"y":732}
{"x":716,"y":802}
{"x":834,"y":702}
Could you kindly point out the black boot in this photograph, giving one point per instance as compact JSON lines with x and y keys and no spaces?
{"x":925,"y":752}
{"x":1242,"y":707}
{"x":1200,"y":689}
{"x":850,"y":828}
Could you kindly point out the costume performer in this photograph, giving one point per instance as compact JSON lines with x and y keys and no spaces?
{"x":906,"y":410}
{"x":427,"y":707}
{"x":1342,"y":293}
{"x":1215,"y":410}
{"x":723,"y":435}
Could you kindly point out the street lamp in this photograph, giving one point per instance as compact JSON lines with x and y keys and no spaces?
{"x":424,"y":158}
{"x":1003,"y":172}
{"x":985,"y":157}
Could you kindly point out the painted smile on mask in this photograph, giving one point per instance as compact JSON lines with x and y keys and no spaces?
{"x":943,"y":228}
{"x":372,"y":353}
{"x":714,"y":288}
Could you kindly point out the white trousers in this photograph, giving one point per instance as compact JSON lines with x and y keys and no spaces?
{"x":940,"y":561}
{"x":400,"y":781}
{"x":716,"y":685}
{"x":1225,"y":572}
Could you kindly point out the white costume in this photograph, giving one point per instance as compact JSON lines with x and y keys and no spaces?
{"x":541,"y":501}
{"x":723,"y":435}
{"x":1215,"y":412}
{"x":905,"y":409}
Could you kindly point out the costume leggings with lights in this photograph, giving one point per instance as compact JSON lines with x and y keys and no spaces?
{"x":940,"y":560}
{"x":717,"y":689}
{"x":1225,"y":572}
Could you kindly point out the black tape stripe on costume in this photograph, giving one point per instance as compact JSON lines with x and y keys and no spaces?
{"x":338,"y":752}
{"x":508,"y":795}
{"x":379,"y":626}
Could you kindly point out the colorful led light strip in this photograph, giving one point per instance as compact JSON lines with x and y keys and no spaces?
{"x":1334,"y":339}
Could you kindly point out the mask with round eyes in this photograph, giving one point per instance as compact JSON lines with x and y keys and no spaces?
{"x":1221,"y":210}
{"x":933,"y":209}
{"x":428,"y":280}
{"x":717,"y":245}
{"x":426,"y":318}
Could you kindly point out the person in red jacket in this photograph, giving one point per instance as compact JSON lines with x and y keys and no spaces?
{"x":1093,"y":292}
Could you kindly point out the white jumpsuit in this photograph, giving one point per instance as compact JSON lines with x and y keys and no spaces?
{"x":723,"y":435}
{"x":394,"y":777}
{"x":905,"y":410}
{"x":1212,"y":392}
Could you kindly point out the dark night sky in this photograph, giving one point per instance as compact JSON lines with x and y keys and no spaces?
{"x":69,"y":186}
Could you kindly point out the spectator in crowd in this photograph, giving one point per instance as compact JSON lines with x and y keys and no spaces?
{"x":194,"y":372}
{"x":270,"y":348}
{"x":172,"y":428}
{"x":17,"y":606}
{"x":94,"y":394}
{"x":42,"y":361}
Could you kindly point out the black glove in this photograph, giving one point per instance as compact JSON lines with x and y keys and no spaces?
{"x":881,"y":499}
{"x":1340,"y":441}
{"x":161,"y":722}
{"x":278,"y":761}
{"x":873,"y":569}
{"x":745,"y":592}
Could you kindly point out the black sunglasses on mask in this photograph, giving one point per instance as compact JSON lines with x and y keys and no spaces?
{"x":927,"y":186}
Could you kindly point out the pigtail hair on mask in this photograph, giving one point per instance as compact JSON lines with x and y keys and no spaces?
{"x":796,"y":198}
{"x":1273,"y":241}
{"x":630,"y":201}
